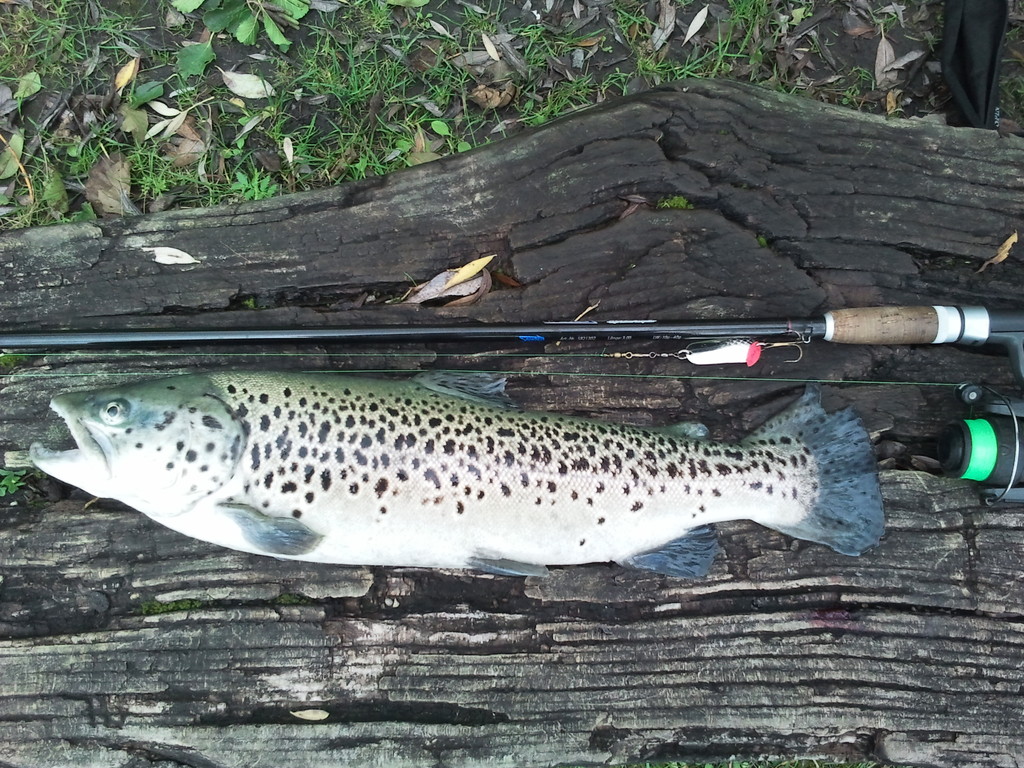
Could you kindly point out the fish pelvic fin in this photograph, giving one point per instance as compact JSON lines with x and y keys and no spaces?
{"x":847,"y":513}
{"x":688,"y":557}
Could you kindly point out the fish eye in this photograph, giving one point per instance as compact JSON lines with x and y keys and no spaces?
{"x":114,"y":412}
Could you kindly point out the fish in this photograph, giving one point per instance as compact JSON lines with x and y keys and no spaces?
{"x":445,"y":470}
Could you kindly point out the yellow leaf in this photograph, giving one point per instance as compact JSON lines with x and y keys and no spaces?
{"x":1001,"y":253}
{"x":126,"y":74}
{"x":462,"y":274}
{"x":311,"y":714}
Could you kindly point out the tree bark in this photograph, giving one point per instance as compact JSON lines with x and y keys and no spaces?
{"x":123,"y":643}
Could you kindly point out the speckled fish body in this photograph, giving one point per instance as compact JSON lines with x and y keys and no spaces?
{"x":442,"y":470}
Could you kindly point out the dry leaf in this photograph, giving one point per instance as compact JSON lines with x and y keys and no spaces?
{"x":440,"y":29}
{"x":892,"y":103}
{"x":696,"y":24}
{"x":163,"y":254}
{"x":489,"y":47}
{"x":466,"y":284}
{"x":493,"y":98}
{"x":108,"y":186}
{"x":884,"y":57}
{"x":162,"y":109}
{"x":311,"y":714}
{"x":289,"y":150}
{"x":247,"y":86}
{"x":126,"y":74}
{"x":855,"y":26}
{"x":666,"y":23}
{"x":1002,"y":253}
{"x":484,"y":287}
{"x":184,"y":151}
{"x":464,"y":273}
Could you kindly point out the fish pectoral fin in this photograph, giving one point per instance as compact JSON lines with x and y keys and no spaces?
{"x":504,"y":567}
{"x":688,"y":557}
{"x":483,"y":388}
{"x":272,"y":535}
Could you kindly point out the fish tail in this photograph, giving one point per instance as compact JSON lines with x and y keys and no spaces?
{"x":846,"y":513}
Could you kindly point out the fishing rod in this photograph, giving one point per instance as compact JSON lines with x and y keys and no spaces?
{"x":868,"y":325}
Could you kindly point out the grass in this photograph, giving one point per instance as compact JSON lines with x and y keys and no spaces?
{"x":370,"y":88}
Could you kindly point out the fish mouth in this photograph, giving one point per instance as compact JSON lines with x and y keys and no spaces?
{"x":92,"y":453}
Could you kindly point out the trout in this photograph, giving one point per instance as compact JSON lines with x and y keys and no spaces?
{"x":444,"y":470}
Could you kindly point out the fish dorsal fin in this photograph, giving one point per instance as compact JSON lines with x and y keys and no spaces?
{"x":692,"y":430}
{"x":483,"y":388}
{"x":688,"y":557}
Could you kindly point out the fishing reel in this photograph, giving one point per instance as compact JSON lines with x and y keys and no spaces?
{"x":988,"y":448}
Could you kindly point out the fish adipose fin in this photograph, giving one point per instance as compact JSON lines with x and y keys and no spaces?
{"x":272,"y":535}
{"x":688,"y":557}
{"x":483,"y":388}
{"x":505,"y":567}
{"x":847,"y":514}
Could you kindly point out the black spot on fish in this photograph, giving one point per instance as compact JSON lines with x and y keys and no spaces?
{"x":138,"y":445}
{"x":179,"y":446}
{"x":307,"y":473}
{"x":232,"y":389}
{"x":169,"y":417}
{"x":381,"y":487}
{"x":434,"y":422}
{"x":277,"y":411}
{"x":339,"y":455}
{"x":600,"y":521}
{"x":361,"y":459}
{"x":353,"y":488}
{"x":460,"y":507}
{"x":191,"y":455}
{"x":506,"y":432}
{"x":309,"y":497}
{"x":505,"y":490}
{"x":268,"y":479}
{"x":449,"y":447}
{"x":582,"y":542}
{"x":287,"y":392}
{"x":289,"y":487}
{"x":264,"y":423}
{"x":715,"y":492}
{"x":350,"y":421}
{"x":723,"y":469}
{"x":574,"y":495}
{"x":431,"y":477}
{"x":211,"y":423}
{"x":295,"y":512}
{"x":170,"y":465}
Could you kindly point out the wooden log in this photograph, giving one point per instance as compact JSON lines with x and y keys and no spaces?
{"x":123,"y":642}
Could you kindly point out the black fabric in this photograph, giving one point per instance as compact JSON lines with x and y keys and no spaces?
{"x":972,"y":46}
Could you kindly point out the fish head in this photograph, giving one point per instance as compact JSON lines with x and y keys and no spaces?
{"x":157,"y":446}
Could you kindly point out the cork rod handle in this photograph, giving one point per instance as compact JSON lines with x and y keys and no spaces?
{"x":889,"y":325}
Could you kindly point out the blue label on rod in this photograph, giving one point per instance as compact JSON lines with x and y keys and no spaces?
{"x":531,"y":338}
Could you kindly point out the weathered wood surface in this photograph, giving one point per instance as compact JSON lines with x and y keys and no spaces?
{"x":912,"y":653}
